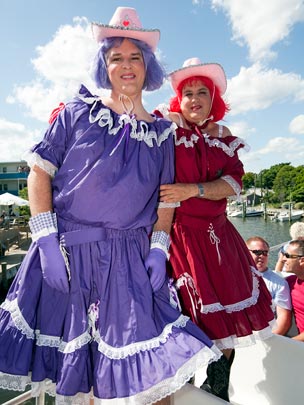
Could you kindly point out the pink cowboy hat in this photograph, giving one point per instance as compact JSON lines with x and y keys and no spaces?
{"x":125,"y":23}
{"x":194,"y":67}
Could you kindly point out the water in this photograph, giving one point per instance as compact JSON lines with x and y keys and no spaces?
{"x":272,"y":231}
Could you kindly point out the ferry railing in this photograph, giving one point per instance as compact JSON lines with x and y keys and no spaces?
{"x":20,"y":399}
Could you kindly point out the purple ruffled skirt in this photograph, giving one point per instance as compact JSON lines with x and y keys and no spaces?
{"x":111,"y":337}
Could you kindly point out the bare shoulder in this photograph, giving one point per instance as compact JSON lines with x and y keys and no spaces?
{"x":226,"y":132}
{"x":175,"y":117}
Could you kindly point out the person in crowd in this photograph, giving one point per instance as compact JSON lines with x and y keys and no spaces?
{"x":90,"y":310}
{"x":277,"y":286}
{"x":296,"y":232}
{"x":4,"y":220}
{"x":210,"y":263}
{"x":294,"y":264}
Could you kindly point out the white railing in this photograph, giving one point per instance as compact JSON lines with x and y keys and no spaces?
{"x":20,"y":399}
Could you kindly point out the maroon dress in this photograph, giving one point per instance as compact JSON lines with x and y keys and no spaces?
{"x":218,"y":285}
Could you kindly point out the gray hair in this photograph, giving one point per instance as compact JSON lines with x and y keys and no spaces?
{"x":299,"y":245}
{"x":297,"y":230}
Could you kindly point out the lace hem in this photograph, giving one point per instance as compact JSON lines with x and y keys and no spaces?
{"x":197,"y":305}
{"x":33,"y":159}
{"x":75,"y":344}
{"x":17,"y":317}
{"x":244,"y":341}
{"x":116,"y":353}
{"x":103,"y":118}
{"x":156,"y":393}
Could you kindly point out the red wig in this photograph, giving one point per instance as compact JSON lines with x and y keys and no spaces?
{"x":219,"y":106}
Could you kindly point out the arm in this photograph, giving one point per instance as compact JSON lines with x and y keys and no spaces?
{"x":165,"y":216}
{"x":283,"y":321}
{"x":299,"y":337}
{"x":213,"y":190}
{"x":280,"y":263}
{"x":155,"y":262}
{"x":39,"y":191}
{"x":43,"y":225}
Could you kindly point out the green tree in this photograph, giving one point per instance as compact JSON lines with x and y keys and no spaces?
{"x":284,"y":183}
{"x":24,"y":211}
{"x":248,"y":180}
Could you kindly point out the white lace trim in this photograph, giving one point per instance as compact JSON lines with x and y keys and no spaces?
{"x":133,"y":348}
{"x":168,"y":205}
{"x":163,"y":109}
{"x":103,"y":118}
{"x":189,"y":143}
{"x":197,"y":305}
{"x":33,"y":159}
{"x":233,"y":183}
{"x":239,"y":342}
{"x":75,"y":344}
{"x":228,"y":149}
{"x":156,"y":393}
{"x":17,"y":317}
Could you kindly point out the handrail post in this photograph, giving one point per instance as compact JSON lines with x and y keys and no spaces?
{"x":4,"y":275}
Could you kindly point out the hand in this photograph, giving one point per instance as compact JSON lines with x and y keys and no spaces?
{"x":52,"y":263}
{"x":156,"y":264}
{"x":173,"y":193}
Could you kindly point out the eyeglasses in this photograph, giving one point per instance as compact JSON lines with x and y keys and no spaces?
{"x":289,"y":256}
{"x":260,"y":252}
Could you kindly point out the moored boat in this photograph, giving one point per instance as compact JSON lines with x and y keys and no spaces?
{"x":294,"y":215}
{"x":249,"y":213}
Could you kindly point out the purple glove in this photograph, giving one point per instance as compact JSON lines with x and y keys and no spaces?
{"x":52,"y":263}
{"x":156,"y":264}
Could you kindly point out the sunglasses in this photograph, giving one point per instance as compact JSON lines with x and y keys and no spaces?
{"x":289,"y":256}
{"x":260,"y":252}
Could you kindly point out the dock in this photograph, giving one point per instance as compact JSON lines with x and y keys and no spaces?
{"x":16,"y":242}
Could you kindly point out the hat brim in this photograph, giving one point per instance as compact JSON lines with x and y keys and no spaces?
{"x":102,"y":31}
{"x":213,"y":71}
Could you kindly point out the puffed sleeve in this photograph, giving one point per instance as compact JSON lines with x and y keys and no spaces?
{"x":49,"y":153}
{"x":168,"y":170}
{"x":233,"y":170}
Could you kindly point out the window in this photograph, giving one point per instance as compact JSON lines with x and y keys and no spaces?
{"x":4,"y":169}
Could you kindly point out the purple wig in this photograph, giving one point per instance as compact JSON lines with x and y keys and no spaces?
{"x":155,"y":73}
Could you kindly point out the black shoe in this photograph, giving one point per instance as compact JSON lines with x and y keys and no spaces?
{"x":218,"y":375}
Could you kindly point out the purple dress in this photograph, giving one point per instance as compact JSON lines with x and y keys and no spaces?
{"x":111,"y":336}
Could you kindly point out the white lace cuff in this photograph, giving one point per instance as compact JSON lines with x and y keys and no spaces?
{"x":168,"y":205}
{"x":161,"y":240}
{"x":234,"y":184}
{"x":33,"y":159}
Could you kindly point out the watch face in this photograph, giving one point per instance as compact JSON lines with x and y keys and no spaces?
{"x":201,"y":190}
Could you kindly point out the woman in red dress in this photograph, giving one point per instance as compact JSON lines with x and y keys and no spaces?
{"x":218,"y":285}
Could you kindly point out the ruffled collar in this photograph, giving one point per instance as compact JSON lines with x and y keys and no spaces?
{"x":151,"y":133}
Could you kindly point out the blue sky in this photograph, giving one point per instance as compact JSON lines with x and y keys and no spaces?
{"x":46,"y":48}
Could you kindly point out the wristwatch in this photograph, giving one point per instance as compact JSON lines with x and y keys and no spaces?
{"x":200,"y":190}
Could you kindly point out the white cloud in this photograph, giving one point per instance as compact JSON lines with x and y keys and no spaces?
{"x":255,"y":88}
{"x":15,"y":139}
{"x":261,"y":24}
{"x":297,"y":125}
{"x":241,"y":129}
{"x":61,"y":65}
{"x":279,"y":149}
